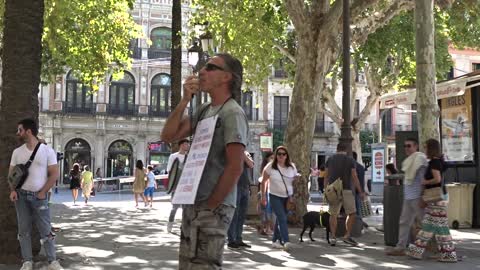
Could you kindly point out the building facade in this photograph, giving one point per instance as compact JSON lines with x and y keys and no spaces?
{"x":121,"y":123}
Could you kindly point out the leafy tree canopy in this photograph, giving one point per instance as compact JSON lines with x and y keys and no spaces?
{"x":260,"y":33}
{"x":248,"y":29}
{"x":89,"y":36}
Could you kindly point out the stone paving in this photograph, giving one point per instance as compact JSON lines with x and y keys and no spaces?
{"x":112,"y":234}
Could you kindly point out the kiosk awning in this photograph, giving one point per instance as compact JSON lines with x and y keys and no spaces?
{"x":445,"y":89}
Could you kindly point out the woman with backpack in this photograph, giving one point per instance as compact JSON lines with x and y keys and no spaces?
{"x":278,"y":176}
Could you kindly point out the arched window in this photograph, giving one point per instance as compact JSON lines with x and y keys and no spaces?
{"x":160,"y":95}
{"x":120,"y":159}
{"x":78,"y":99}
{"x":122,"y":96}
{"x":77,"y":151}
{"x":161,"y":38}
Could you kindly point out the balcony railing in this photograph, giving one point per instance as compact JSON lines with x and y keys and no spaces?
{"x":325,"y":127}
{"x":136,"y":53}
{"x":122,"y":110}
{"x":277,"y":124}
{"x":70,"y":108}
{"x":156,"y":111}
{"x":158,"y":53}
{"x":280,"y":73}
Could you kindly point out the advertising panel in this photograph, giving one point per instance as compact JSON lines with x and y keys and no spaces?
{"x":266,"y":141}
{"x":378,"y":163}
{"x":457,"y":139}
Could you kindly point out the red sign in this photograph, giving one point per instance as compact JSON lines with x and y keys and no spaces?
{"x":378,"y":160}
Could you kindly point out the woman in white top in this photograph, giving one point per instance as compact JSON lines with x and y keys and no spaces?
{"x":278,"y":176}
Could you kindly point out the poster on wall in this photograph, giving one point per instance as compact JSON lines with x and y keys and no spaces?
{"x":378,"y":163}
{"x":457,"y":139}
{"x":266,"y":141}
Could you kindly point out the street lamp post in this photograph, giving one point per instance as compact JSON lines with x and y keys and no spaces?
{"x":346,"y":129}
{"x":198,"y":57}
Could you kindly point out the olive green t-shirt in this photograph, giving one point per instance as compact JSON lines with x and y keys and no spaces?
{"x":231,"y":127}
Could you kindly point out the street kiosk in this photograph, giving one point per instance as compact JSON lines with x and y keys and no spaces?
{"x":459,"y":101}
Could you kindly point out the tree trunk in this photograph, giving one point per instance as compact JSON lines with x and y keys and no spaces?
{"x":427,"y":105}
{"x":357,"y":144}
{"x":303,"y":107}
{"x":21,"y":59}
{"x":176,"y":60}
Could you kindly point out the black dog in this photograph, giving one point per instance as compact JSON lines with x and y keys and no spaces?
{"x":313,"y":219}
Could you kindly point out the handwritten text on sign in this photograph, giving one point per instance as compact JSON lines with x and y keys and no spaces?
{"x":197,"y":157}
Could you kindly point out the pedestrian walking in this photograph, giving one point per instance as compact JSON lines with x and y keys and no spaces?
{"x":139,"y":183}
{"x":181,"y":155}
{"x":361,"y":179}
{"x":279,"y":176}
{"x":30,"y":198}
{"x":75,"y":177}
{"x":313,"y":180}
{"x":435,"y":220}
{"x":205,"y":223}
{"x":98,"y":176}
{"x":321,"y":178}
{"x":235,"y":230}
{"x":151,"y":186}
{"x":87,"y":183}
{"x":341,"y":166}
{"x":265,"y":211}
{"x":414,"y":167}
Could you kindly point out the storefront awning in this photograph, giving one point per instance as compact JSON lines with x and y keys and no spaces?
{"x":445,"y":89}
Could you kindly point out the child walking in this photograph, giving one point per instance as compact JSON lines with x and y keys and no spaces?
{"x":151,"y":186}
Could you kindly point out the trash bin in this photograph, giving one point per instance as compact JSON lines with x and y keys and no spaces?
{"x":392,"y":207}
{"x":460,"y":205}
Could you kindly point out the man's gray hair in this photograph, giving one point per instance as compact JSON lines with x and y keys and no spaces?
{"x":234,"y":66}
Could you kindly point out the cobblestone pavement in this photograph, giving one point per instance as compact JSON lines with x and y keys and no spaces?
{"x":112,"y":234}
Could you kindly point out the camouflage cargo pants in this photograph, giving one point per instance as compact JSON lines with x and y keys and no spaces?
{"x":203,"y":234}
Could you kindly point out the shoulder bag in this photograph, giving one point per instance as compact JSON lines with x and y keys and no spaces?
{"x":20,"y":171}
{"x":290,"y":205}
{"x":434,"y":194}
{"x":334,"y":191}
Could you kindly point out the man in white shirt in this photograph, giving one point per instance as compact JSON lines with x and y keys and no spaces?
{"x":184,"y":146}
{"x":30,"y":199}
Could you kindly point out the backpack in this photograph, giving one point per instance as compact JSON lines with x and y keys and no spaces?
{"x":334,"y":191}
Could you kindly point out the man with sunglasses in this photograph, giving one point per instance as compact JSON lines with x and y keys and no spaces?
{"x":205,"y":223}
{"x":414,"y":167}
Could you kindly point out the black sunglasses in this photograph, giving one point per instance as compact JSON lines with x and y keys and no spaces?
{"x":281,"y":154}
{"x":211,"y":67}
{"x":407,"y":145}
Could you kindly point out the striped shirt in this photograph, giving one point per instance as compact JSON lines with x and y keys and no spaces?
{"x":414,"y":191}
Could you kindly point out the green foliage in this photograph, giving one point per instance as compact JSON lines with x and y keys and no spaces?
{"x":248,"y":29}
{"x":367,"y":137}
{"x":89,"y":36}
{"x":278,"y":137}
{"x":463,"y":23}
{"x":393,"y":46}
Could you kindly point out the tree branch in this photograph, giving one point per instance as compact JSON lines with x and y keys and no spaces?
{"x":297,"y":13}
{"x":319,"y":8}
{"x":328,"y":99}
{"x":335,"y":118}
{"x":286,"y":53}
{"x":365,"y":25}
